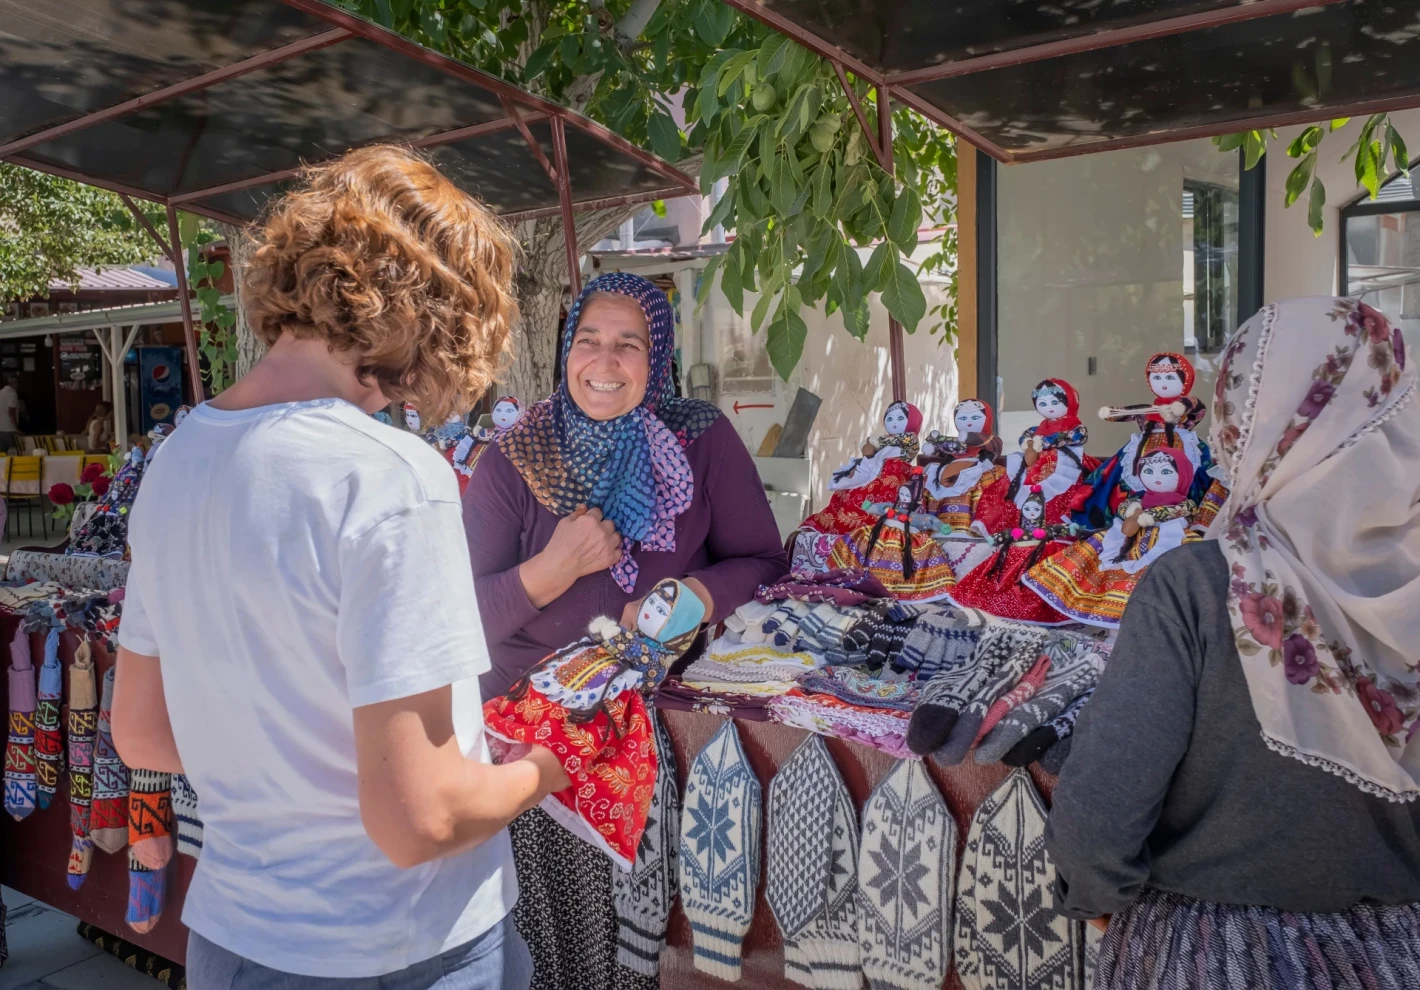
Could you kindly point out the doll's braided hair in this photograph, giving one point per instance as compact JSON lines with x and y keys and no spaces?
{"x":914,"y":485}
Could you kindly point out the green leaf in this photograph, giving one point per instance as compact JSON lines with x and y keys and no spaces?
{"x":722,"y":212}
{"x":1339,"y":123}
{"x":1399,"y":151}
{"x":823,"y":192}
{"x":782,"y":191}
{"x":770,"y":54}
{"x":1299,"y":177}
{"x":875,"y":272}
{"x":848,"y":277}
{"x":707,"y":279}
{"x":761,"y":309}
{"x":905,"y":219}
{"x":1316,"y":209}
{"x":733,"y":157}
{"x":539,"y":60}
{"x":384,"y":16}
{"x":1305,"y":142}
{"x":1370,"y":167}
{"x":665,"y":136}
{"x":857,"y":319}
{"x":569,"y":50}
{"x":731,"y":286}
{"x":1256,"y":145}
{"x":902,"y":295}
{"x":188,"y":224}
{"x":1230,"y":142}
{"x":733,"y":69}
{"x":787,"y":334}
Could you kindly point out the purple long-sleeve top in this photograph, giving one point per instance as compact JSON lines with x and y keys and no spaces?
{"x":726,"y":539}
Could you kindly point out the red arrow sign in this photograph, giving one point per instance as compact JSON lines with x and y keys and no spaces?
{"x":753,"y":405}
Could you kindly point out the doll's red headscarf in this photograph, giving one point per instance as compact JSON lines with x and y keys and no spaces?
{"x":1071,"y":419}
{"x":1169,"y":361}
{"x":914,"y":416}
{"x":1153,"y":500}
{"x":990,"y":428}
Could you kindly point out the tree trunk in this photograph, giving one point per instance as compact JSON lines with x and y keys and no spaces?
{"x":249,"y":349}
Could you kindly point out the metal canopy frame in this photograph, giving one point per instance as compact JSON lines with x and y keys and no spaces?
{"x":898,"y":83}
{"x":521,"y":108}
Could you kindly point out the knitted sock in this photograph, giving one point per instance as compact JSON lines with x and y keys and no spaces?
{"x":906,"y":866}
{"x":1005,"y":899}
{"x":1014,"y":653}
{"x":860,"y":636}
{"x":108,"y":818}
{"x":147,"y":890}
{"x":1025,"y":689}
{"x":49,"y":740}
{"x":150,"y":811}
{"x":642,"y":898}
{"x":83,"y":721}
{"x":784,"y":624}
{"x":21,"y":787}
{"x":1063,"y":684}
{"x":1046,"y":739}
{"x":185,"y":813}
{"x":945,"y":696}
{"x":1053,"y":761}
{"x":719,"y":852}
{"x":941,"y":640}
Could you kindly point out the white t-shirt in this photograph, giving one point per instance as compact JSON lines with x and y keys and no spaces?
{"x":9,"y":402}
{"x":291,"y":563}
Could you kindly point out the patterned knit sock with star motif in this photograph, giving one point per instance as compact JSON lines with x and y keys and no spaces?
{"x":150,"y":817}
{"x":83,"y":723}
{"x":49,"y":739}
{"x":21,"y":789}
{"x":108,"y":816}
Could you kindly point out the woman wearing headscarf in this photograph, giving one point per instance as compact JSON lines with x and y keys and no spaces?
{"x":1240,"y":796}
{"x":601,"y":491}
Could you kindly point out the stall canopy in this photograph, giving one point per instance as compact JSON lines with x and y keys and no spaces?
{"x":1026,"y":80}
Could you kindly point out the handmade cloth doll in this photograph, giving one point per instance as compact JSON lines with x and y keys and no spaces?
{"x":898,"y":547}
{"x":959,"y":468}
{"x":105,"y":534}
{"x":875,"y":476}
{"x":181,"y":414}
{"x":1052,"y":454}
{"x":587,"y":704}
{"x":455,"y":442}
{"x":506,"y":413}
{"x":1170,"y":422}
{"x":994,"y":585}
{"x":1091,"y":581}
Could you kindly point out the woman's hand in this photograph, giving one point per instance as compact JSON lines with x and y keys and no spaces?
{"x":583,"y":543}
{"x":628,"y":614}
{"x":1102,"y":922}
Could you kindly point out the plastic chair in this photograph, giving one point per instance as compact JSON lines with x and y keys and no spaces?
{"x":22,"y":486}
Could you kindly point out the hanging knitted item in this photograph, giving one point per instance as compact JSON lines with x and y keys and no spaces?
{"x":1009,"y":936}
{"x":643,"y":897}
{"x":906,"y":866}
{"x":83,"y":725}
{"x":150,"y":812}
{"x":49,"y":739}
{"x":21,"y":789}
{"x":586,"y":703}
{"x":147,"y":893}
{"x":1025,"y":689}
{"x":719,"y":852}
{"x":108,"y":817}
{"x":185,"y":814}
{"x":807,"y":850}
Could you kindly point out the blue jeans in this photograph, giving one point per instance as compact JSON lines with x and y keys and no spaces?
{"x":496,"y":960}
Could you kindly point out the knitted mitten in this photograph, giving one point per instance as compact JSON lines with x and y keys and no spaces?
{"x":886,"y":644}
{"x":1005,"y":899}
{"x":803,"y":800}
{"x":643,"y":897}
{"x":83,"y":722}
{"x":1025,"y":689}
{"x":830,"y":944}
{"x":719,"y":852}
{"x":1068,"y":678}
{"x":189,"y":823}
{"x":906,"y":866}
{"x":944,"y":641}
{"x":147,"y":889}
{"x":21,"y":788}
{"x":1035,"y":745}
{"x":108,"y":818}
{"x":150,"y":839}
{"x":783,"y":626}
{"x":49,"y":739}
{"x":945,"y":696}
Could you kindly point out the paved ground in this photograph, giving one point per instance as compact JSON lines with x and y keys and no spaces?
{"x":46,"y":953}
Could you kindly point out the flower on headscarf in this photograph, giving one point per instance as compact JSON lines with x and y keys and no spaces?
{"x":1377,"y":327}
{"x":1397,"y":346}
{"x":1262,"y":614}
{"x":1290,"y":438}
{"x":1299,"y":659}
{"x":1248,"y":517}
{"x":1310,"y":629}
{"x":1320,"y":393}
{"x":1229,"y":435}
{"x":1380,"y":706}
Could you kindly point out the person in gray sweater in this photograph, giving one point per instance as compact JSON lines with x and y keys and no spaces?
{"x":1239,"y":806}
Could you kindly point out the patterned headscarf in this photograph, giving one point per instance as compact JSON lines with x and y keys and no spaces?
{"x":1316,"y":425}
{"x":633,"y":467}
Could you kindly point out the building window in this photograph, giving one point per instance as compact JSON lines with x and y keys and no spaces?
{"x":1210,"y":265}
{"x":1381,"y":248}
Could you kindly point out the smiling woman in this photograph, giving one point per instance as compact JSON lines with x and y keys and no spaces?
{"x":600,"y":492}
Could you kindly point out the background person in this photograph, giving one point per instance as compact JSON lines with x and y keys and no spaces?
{"x":98,"y":432}
{"x":9,"y":412}
{"x":281,"y":642}
{"x":1241,"y":792}
{"x":566,"y":521}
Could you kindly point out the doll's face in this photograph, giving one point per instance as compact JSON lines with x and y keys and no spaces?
{"x":970,"y":418}
{"x":655,"y":613}
{"x":180,"y":415}
{"x":1050,"y":406}
{"x":1032,"y":511}
{"x":506,"y":414}
{"x":896,"y":420}
{"x":1159,"y":474}
{"x":411,"y":419}
{"x":1166,"y":384}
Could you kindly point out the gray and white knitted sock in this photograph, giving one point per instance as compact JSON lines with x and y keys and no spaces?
{"x":1005,"y":901}
{"x":1018,"y":652}
{"x":185,"y":813}
{"x":642,"y":898}
{"x":1062,"y":686}
{"x":1046,"y":738}
{"x":719,"y":852}
{"x":906,"y":866}
{"x":947,"y":695}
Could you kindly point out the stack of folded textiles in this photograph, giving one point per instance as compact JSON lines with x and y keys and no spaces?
{"x":852,"y":704}
{"x":733,"y":666}
{"x":676,"y":696}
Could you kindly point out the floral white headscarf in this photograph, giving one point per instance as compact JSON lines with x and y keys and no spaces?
{"x":1314,"y":420}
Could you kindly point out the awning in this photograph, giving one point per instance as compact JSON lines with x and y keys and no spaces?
{"x":1025,"y":80}
{"x":141,"y":314}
